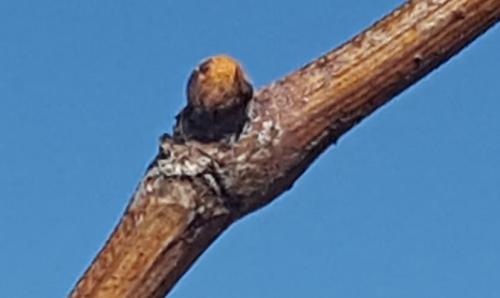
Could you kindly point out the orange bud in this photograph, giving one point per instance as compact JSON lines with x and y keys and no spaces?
{"x":218,"y":83}
{"x":218,"y":93}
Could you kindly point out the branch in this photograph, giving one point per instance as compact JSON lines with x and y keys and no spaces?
{"x":193,"y":190}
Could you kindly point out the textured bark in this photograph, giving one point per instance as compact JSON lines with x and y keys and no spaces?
{"x":186,"y":200}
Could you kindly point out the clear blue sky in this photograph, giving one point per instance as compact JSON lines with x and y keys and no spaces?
{"x":406,"y":205}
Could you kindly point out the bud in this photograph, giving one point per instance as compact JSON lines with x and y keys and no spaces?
{"x":218,"y":93}
{"x":218,"y":83}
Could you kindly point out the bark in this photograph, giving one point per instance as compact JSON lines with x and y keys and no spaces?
{"x":192,"y":192}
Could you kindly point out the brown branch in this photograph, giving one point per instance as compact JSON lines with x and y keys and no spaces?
{"x":182,"y":205}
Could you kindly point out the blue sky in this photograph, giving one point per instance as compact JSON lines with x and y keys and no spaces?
{"x":406,"y":205}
